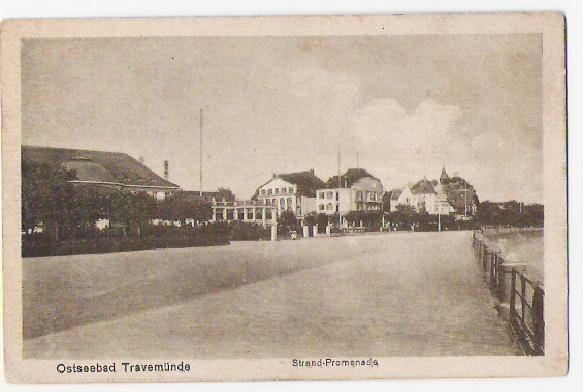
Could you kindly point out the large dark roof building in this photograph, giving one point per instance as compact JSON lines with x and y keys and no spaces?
{"x":306,"y":181}
{"x":347,"y":179}
{"x":100,"y":168}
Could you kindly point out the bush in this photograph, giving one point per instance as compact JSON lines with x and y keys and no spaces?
{"x":244,"y":231}
{"x":37,"y":245}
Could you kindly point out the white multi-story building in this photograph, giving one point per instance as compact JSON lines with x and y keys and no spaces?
{"x":358,"y":191}
{"x":425,"y":195}
{"x":294,"y":192}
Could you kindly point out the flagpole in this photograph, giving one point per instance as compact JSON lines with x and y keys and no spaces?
{"x":339,"y":187}
{"x":200,"y":164}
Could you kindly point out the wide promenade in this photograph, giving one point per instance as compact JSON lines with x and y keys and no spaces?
{"x":396,"y":294}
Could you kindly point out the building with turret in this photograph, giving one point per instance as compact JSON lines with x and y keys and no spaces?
{"x":449,"y":195}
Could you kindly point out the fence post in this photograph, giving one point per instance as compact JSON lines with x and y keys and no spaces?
{"x":492,"y":271}
{"x":523,"y":297}
{"x":513,"y":297}
{"x":538,"y":318}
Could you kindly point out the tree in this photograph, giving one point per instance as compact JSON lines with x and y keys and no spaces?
{"x":180,"y":206}
{"x":287,"y":219}
{"x":131,"y":210}
{"x":310,"y":219}
{"x":354,"y":217}
{"x":322,"y":220}
{"x":46,"y":197}
{"x":511,"y":213}
{"x":85,"y":207}
{"x":387,"y":201}
{"x":225,"y":193}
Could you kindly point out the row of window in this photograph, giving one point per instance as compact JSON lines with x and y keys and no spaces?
{"x":327,"y":195}
{"x":360,"y":196}
{"x":159,"y":195}
{"x":374,"y":207}
{"x":328,"y":207}
{"x":368,"y":196}
{"x":232,"y":214}
{"x":273,"y":202}
{"x":276,"y":191}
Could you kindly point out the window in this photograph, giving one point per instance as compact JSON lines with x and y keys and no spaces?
{"x":337,"y":196}
{"x":269,"y":191}
{"x":263,"y":191}
{"x":267,"y":202}
{"x":289,"y":203}
{"x":291,"y":189}
{"x":329,"y":206}
{"x":282,"y":202}
{"x":329,"y":194}
{"x":320,"y":207}
{"x":274,"y":202}
{"x":321,"y":195}
{"x":276,"y":191}
{"x":367,"y":196}
{"x":358,"y":195}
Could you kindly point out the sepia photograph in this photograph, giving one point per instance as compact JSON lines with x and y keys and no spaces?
{"x":323,"y":196}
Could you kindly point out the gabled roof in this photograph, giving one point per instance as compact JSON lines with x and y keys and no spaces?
{"x":395,"y":193}
{"x":348,"y":179}
{"x":97,"y":166}
{"x":306,"y":181}
{"x":422,"y":187}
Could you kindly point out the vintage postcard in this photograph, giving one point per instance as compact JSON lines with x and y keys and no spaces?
{"x":284,"y":198}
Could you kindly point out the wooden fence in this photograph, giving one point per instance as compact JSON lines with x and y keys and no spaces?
{"x":524,"y":298}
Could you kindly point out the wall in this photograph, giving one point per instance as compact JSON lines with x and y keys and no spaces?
{"x":278,"y":183}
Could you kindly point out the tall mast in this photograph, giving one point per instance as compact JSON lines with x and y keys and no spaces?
{"x":339,"y":186}
{"x":200,"y":147}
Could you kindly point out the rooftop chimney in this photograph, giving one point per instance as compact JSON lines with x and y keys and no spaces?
{"x":166,"y":172}
{"x":312,"y":170}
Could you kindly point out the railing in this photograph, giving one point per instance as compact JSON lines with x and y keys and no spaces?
{"x":524,"y":298}
{"x":527,"y":316}
{"x":242,"y":203}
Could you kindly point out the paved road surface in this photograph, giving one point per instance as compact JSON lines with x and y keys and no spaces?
{"x":397,"y":294}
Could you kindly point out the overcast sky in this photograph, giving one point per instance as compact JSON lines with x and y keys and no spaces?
{"x":408,"y":104}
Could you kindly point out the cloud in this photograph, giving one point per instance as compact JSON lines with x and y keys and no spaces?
{"x":405,"y":145}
